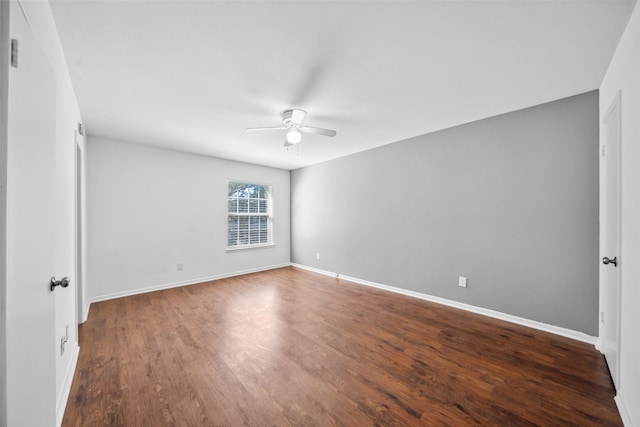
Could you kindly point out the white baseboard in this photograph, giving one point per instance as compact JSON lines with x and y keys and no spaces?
{"x":599,"y":346}
{"x":178,"y":284}
{"x":66,"y":387}
{"x":568,"y":333}
{"x":622,"y":409}
{"x":85,"y":311}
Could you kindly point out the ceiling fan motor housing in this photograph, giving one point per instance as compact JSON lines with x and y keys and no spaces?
{"x":293,"y":117}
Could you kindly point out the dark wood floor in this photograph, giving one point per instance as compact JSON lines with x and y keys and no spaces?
{"x":289,"y":347}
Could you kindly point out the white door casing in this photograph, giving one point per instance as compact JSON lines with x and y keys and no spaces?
{"x":610,"y":237}
{"x":80,"y":291}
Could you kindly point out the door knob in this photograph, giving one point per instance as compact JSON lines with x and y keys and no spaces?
{"x":613,"y":261}
{"x":64,"y":282}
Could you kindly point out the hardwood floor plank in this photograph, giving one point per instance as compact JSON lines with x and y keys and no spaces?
{"x":292,"y":348}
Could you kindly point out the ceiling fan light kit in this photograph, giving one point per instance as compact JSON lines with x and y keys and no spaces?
{"x":294,"y":136}
{"x":292,"y":122}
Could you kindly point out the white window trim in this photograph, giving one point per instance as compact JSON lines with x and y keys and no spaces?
{"x":250,"y":247}
{"x":268,"y":214}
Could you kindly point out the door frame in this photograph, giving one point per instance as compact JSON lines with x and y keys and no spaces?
{"x":81,"y":315}
{"x":616,"y":103}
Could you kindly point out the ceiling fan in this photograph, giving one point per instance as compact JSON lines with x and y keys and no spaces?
{"x":292,"y":122}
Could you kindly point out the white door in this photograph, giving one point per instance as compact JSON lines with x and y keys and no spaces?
{"x":610,"y":238}
{"x":30,"y":307}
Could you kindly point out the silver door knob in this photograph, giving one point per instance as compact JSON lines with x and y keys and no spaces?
{"x":64,"y":282}
{"x":613,"y":261}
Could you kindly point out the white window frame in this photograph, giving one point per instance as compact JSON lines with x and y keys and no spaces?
{"x":239,"y":213}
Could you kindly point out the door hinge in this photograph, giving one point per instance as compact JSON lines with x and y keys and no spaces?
{"x":14,"y":53}
{"x":603,"y":150}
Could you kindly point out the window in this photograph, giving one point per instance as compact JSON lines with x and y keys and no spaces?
{"x":249,"y":215}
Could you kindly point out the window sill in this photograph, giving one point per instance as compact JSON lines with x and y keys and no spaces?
{"x":250,"y":247}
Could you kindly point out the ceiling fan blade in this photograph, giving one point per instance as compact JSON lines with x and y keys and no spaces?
{"x":319,"y":131}
{"x":267,"y":128}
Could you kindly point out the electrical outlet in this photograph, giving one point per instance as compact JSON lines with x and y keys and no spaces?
{"x":462,"y":282}
{"x":180,"y":266}
{"x":318,"y":255}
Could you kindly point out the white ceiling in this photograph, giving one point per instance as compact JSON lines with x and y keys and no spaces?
{"x":192,"y":75}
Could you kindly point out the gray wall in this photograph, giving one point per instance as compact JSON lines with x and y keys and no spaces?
{"x":511,"y":202}
{"x":150,"y":208}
